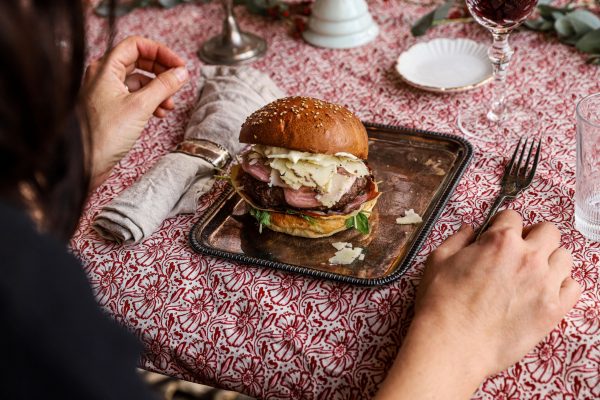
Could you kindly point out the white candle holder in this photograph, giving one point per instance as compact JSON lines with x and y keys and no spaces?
{"x":340,"y":24}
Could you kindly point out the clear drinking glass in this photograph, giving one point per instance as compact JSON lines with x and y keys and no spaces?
{"x":587,"y":184}
{"x":482,"y":120}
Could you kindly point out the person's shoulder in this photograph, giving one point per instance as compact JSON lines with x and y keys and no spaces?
{"x":23,"y":249}
{"x":15,"y":223}
{"x":47,"y":307}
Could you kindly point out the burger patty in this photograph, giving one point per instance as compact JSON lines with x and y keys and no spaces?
{"x":272,"y":196}
{"x":264,"y":195}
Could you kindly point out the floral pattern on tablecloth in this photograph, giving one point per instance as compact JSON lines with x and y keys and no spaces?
{"x":275,"y":335}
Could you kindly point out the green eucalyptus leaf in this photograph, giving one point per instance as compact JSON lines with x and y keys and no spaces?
{"x":546,"y":26}
{"x":169,"y":3}
{"x":590,"y":42}
{"x":550,"y":12}
{"x":426,"y":21}
{"x":593,"y":59}
{"x":422,"y":24}
{"x":563,"y":27}
{"x":539,"y":24}
{"x":571,"y":41}
{"x":574,"y":25}
{"x":533,"y":24}
{"x":442,"y":11}
{"x":583,"y":21}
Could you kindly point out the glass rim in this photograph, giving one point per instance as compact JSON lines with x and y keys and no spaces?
{"x":580,"y":116}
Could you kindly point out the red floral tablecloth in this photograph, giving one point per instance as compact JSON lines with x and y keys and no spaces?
{"x":276,"y":335}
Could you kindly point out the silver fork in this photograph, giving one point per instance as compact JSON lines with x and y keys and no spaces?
{"x":517,"y":177}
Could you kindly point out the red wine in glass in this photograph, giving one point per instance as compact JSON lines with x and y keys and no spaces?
{"x":498,"y":119}
{"x":501,"y":13}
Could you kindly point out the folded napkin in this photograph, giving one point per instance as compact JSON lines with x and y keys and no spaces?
{"x":174,"y":184}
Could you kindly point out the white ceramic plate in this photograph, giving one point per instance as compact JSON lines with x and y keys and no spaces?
{"x":445,"y":65}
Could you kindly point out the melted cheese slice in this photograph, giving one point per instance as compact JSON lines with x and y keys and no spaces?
{"x":338,"y":186}
{"x":289,"y":176}
{"x":318,"y":171}
{"x":318,"y":176}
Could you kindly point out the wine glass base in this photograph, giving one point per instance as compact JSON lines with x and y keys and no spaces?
{"x":474,"y":123}
{"x":219,"y":50}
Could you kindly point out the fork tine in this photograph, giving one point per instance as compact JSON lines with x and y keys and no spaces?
{"x":536,"y":158}
{"x":524,"y":172}
{"x":519,"y":164}
{"x":511,"y":164}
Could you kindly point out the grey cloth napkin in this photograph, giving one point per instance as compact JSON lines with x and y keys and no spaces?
{"x":174,"y":184}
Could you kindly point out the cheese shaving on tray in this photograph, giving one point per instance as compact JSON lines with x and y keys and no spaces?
{"x":345,"y":254}
{"x":410,"y":217}
{"x":341,"y":245}
{"x":435,"y":167}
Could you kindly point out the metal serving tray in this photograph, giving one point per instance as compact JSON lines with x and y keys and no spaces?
{"x":415,"y":169}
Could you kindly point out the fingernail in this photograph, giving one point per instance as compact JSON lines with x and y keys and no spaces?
{"x":181,"y":74}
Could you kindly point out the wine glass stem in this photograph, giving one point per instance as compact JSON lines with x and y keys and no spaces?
{"x":500,"y":54}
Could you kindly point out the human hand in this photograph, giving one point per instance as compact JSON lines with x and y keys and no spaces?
{"x":502,"y":294}
{"x":481,"y":307}
{"x":119,"y":100}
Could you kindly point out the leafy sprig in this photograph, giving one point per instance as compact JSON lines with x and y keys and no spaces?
{"x":573,"y":26}
{"x":305,"y":217}
{"x":263,"y":217}
{"x":360,"y":222}
{"x":436,"y":17}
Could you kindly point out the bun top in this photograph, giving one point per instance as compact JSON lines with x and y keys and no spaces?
{"x":307,"y":124}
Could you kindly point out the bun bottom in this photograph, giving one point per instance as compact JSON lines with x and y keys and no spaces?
{"x":314,"y":226}
{"x":318,"y":226}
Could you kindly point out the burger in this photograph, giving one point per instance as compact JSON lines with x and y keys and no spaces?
{"x":305,"y":173}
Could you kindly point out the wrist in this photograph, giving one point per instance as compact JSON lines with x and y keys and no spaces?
{"x":434,"y":362}
{"x":100,"y":168}
{"x":452,"y":339}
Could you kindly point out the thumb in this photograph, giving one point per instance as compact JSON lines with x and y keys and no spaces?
{"x":162,"y":87}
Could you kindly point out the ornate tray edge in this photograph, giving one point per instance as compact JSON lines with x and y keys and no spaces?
{"x":443,"y":199}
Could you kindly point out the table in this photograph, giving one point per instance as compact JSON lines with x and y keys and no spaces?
{"x":280,"y":336}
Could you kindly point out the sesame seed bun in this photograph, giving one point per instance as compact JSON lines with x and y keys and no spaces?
{"x":307,"y":124}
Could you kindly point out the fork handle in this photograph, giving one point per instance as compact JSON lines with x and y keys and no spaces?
{"x":497,"y":204}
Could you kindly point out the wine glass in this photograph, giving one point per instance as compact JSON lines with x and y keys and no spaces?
{"x":500,"y":17}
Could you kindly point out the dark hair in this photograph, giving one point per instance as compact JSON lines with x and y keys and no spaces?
{"x":43,"y":162}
